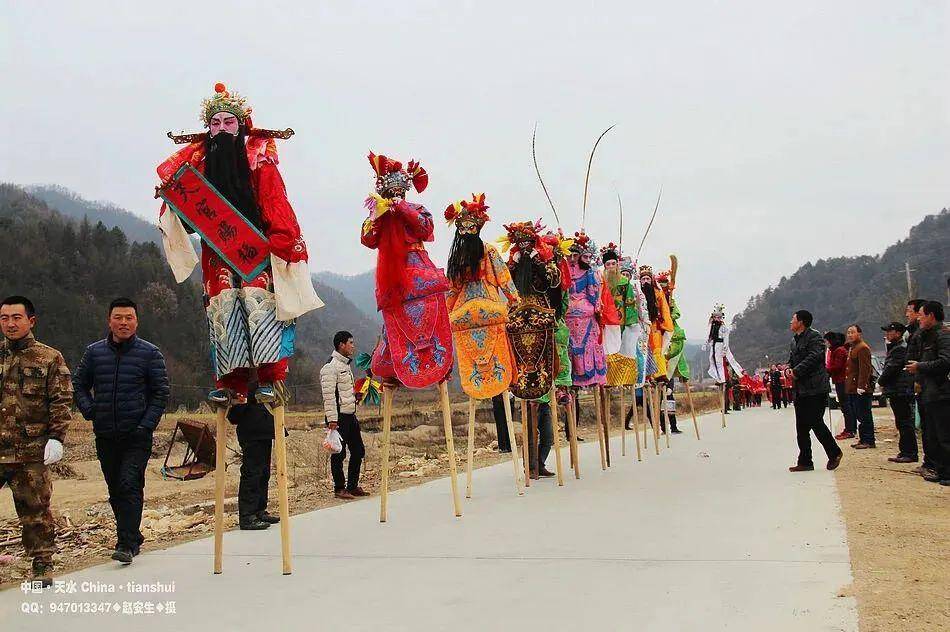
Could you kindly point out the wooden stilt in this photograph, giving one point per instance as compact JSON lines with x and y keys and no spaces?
{"x":572,"y":426}
{"x":722,"y":403}
{"x":623,"y":427}
{"x":666,"y":416}
{"x":450,"y":446}
{"x":605,"y":401}
{"x":283,"y":502}
{"x":533,"y":461}
{"x":384,"y":465}
{"x":636,"y":424}
{"x":647,"y":404}
{"x":557,"y":438}
{"x":600,"y":427}
{"x":524,"y":442}
{"x":221,"y":447}
{"x":471,"y":447}
{"x":655,"y":419}
{"x":692,"y":409}
{"x":519,"y":484}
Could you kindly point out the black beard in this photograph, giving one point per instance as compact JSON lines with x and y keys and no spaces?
{"x":523,"y":274}
{"x":227,"y":169}
{"x":583,"y":265}
{"x":650,"y":297}
{"x":465,"y":257}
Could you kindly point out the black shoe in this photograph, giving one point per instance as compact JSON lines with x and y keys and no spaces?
{"x":835,"y":461}
{"x":43,"y":571}
{"x":253,"y":524}
{"x":801,"y":468}
{"x":945,"y":482}
{"x":123,"y":554}
{"x":263,"y":516}
{"x":580,"y":438}
{"x":136,"y":550}
{"x":676,"y":431}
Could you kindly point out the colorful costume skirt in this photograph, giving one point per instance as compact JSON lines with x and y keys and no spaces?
{"x":486,"y":365}
{"x":416,"y":343}
{"x":588,"y":364}
{"x":531,"y":332}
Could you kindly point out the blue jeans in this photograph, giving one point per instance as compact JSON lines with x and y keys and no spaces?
{"x":861,"y":410}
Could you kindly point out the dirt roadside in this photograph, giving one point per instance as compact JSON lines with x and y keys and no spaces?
{"x":898,"y":529}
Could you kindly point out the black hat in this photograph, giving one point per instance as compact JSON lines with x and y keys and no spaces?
{"x":895,"y":326}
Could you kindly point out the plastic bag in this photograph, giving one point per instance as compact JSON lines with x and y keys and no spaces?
{"x":333,"y":442}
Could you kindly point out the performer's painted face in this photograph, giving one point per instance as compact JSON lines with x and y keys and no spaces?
{"x":611,"y":266}
{"x":627,"y":273}
{"x":223,"y":122}
{"x":646,"y":280}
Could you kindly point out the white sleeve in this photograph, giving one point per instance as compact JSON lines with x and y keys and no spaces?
{"x":294,"y":289}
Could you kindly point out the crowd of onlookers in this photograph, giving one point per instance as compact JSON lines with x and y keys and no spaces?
{"x":914,"y":379}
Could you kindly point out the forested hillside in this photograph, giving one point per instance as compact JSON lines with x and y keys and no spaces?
{"x":870,"y":290}
{"x":72,"y":270}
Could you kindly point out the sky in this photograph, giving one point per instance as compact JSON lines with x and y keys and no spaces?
{"x":780,"y":133}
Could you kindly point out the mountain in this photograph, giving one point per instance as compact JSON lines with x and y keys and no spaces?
{"x":870,"y":290}
{"x":72,"y":268}
{"x":70,"y":204}
{"x":359,"y":288}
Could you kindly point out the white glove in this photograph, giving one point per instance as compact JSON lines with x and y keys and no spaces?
{"x":53,"y":452}
{"x":861,"y":391}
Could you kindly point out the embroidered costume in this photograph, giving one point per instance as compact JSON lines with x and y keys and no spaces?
{"x":584,"y":313}
{"x":717,"y":343}
{"x":415,"y":348}
{"x":225,"y":185}
{"x":480,"y":295}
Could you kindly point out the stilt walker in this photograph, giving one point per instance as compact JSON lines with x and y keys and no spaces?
{"x":481,"y":295}
{"x":415,"y":348}
{"x":720,"y":355}
{"x":224,"y":185}
{"x":531,"y":325}
{"x":677,"y":366}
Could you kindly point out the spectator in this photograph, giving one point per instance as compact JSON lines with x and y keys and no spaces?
{"x":897,"y":386}
{"x":339,"y":403}
{"x":927,"y":434}
{"x":775,"y":385}
{"x":501,"y":423}
{"x":35,"y":393}
{"x":545,"y":430}
{"x":933,"y":371}
{"x":859,"y":388}
{"x":121,"y":386}
{"x":837,"y":365}
{"x":806,"y":362}
{"x":788,"y":383}
{"x":255,"y":434}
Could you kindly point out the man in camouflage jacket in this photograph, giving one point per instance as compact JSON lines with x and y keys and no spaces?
{"x":35,"y":396}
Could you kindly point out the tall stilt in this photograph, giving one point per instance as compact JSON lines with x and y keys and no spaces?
{"x":471,"y":447}
{"x":692,"y":409}
{"x":666,"y":416}
{"x":524,"y":442}
{"x":647,"y":404}
{"x":220,"y":451}
{"x":450,"y":446}
{"x":623,"y":427}
{"x":384,"y":465}
{"x":557,"y":438}
{"x":636,"y":424}
{"x":655,"y":420}
{"x":283,"y":502}
{"x":722,"y":403}
{"x":533,"y":453}
{"x":572,"y":426}
{"x":605,"y":402}
{"x":600,"y":428}
{"x":519,"y":484}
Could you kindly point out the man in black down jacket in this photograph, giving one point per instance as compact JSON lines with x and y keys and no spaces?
{"x":807,"y":362}
{"x":121,"y":387}
{"x":933,"y":371}
{"x":898,"y":387}
{"x":255,"y":433}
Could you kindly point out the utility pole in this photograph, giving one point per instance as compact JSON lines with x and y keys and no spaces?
{"x":910,"y":284}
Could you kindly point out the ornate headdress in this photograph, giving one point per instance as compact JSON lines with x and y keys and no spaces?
{"x":520,"y":232}
{"x":468,"y":217}
{"x":584,"y":245}
{"x":610,"y":252}
{"x":392,"y":178}
{"x":626,"y":265}
{"x":719,"y":312}
{"x":224,"y":101}
{"x":645,"y":270}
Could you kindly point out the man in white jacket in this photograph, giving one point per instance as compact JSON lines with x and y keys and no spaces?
{"x":339,"y":403}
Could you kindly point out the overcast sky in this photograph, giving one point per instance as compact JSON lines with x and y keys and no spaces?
{"x":780,"y":132}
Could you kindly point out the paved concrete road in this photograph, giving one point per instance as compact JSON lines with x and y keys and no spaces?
{"x":710,"y":535}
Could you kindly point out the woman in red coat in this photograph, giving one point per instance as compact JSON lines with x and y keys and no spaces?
{"x":837,"y":365}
